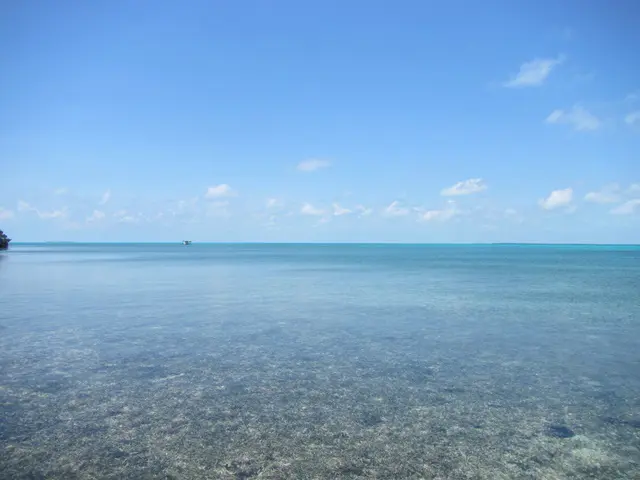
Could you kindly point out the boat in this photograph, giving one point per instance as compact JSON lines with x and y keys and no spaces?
{"x":186,"y":242}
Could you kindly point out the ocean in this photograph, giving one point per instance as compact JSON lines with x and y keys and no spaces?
{"x":265,"y":361}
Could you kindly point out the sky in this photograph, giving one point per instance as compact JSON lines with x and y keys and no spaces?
{"x":320,"y":121}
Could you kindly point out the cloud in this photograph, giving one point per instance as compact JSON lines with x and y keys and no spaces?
{"x":308,"y":209}
{"x":607,"y":194}
{"x":466,"y":187}
{"x":627,"y":208}
{"x":5,"y":214}
{"x":26,"y":207}
{"x":105,"y":197}
{"x":633,"y":97}
{"x":312,"y":165}
{"x":60,"y":191}
{"x":534,"y":73}
{"x":218,"y":191}
{"x":634,"y":188}
{"x":395,"y":210}
{"x":96,"y":216}
{"x":125,"y":217}
{"x":632,"y":118}
{"x":52,"y":214}
{"x":513,"y":215}
{"x":274,"y":203}
{"x":363,"y":211}
{"x":443,"y":215}
{"x":578,"y":117}
{"x":557,"y":199}
{"x":338,"y":210}
{"x":218,"y":209}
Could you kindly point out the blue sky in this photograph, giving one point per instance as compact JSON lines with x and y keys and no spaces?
{"x":320,"y":121}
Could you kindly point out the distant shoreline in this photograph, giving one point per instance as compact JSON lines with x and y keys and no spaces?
{"x":487,"y":244}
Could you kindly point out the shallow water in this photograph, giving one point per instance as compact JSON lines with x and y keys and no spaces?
{"x":319,"y":361}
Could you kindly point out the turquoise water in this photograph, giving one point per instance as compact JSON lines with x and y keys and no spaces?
{"x":319,"y":361}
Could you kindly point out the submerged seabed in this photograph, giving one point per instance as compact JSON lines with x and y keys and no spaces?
{"x":301,"y":362}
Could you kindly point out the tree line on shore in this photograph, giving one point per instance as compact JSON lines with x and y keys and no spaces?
{"x":4,"y":241}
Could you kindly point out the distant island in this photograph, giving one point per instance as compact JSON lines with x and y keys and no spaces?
{"x":4,"y":241}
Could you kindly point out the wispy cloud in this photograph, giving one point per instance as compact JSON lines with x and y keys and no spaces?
{"x":394,"y":209}
{"x":105,"y":197}
{"x":24,"y":206}
{"x":466,"y":187}
{"x":96,"y":216}
{"x":45,"y":215}
{"x":338,"y":210}
{"x":578,"y":117}
{"x":632,"y":118}
{"x":60,"y":191}
{"x":442,"y":215}
{"x":308,"y":209}
{"x":273,"y":203}
{"x":62,"y":213}
{"x":627,"y":208}
{"x":5,"y":214}
{"x":633,"y":97}
{"x":534,"y":73}
{"x":607,"y":194}
{"x":312,"y":165}
{"x":218,"y":208}
{"x":557,"y":199}
{"x":123,"y":216}
{"x":363,"y":211}
{"x":218,"y":191}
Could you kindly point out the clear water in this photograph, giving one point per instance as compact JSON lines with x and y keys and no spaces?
{"x":319,"y":361}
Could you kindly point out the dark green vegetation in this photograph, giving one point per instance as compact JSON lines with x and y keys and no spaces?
{"x":4,"y":241}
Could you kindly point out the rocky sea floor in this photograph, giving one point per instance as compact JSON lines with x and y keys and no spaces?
{"x":268,"y":399}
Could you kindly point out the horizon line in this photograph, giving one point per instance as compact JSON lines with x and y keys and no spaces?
{"x":139,"y":242}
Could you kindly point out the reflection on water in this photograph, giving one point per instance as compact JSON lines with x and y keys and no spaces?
{"x":155,"y":361}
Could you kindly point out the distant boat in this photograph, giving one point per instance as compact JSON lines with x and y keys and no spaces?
{"x":186,"y":242}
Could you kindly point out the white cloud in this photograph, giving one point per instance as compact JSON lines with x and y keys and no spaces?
{"x":5,"y":214}
{"x":607,"y":194}
{"x":96,"y":216}
{"x":26,"y":207}
{"x":52,"y":214}
{"x":633,"y":97}
{"x":395,"y":210}
{"x":364,"y":211}
{"x":308,"y":209}
{"x":634,"y":188}
{"x":534,"y":73}
{"x":443,"y":215}
{"x":466,"y":187}
{"x":632,"y":118}
{"x":627,"y":208}
{"x":60,"y":191}
{"x":312,"y":165}
{"x":218,"y":209}
{"x":274,"y":203}
{"x":124,"y":216}
{"x":218,"y":191}
{"x":105,"y":197}
{"x":578,"y":117}
{"x":557,"y":199}
{"x":338,"y":210}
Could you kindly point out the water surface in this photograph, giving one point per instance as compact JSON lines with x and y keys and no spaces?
{"x":319,"y":361}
